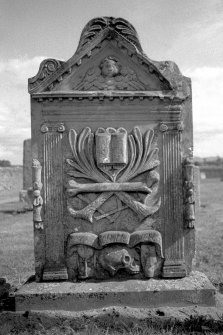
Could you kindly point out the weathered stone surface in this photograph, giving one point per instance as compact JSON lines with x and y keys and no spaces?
{"x":112,"y":136}
{"x":115,"y":257}
{"x":189,"y":291}
{"x":114,"y":253}
{"x":110,"y":237}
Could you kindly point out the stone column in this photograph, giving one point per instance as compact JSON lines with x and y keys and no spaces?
{"x":172,"y":201}
{"x":53,"y":201}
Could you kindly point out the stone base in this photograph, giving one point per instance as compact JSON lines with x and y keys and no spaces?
{"x":174,"y":269}
{"x":189,"y":291}
{"x":55,"y":274}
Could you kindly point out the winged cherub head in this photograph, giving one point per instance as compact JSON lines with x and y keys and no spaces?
{"x":109,"y":67}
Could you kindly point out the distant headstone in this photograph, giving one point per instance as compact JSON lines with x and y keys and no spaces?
{"x":26,"y":194}
{"x":27,"y":164}
{"x":113,"y":172}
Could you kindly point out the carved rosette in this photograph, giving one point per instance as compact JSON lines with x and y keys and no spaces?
{"x":114,"y":163}
{"x":37,"y":199}
{"x":114,"y":254}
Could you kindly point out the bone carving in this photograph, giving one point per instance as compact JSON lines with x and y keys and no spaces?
{"x":189,"y":199}
{"x":119,"y":159}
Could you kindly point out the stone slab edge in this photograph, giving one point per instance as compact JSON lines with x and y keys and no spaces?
{"x":124,"y":317}
{"x":189,"y":291}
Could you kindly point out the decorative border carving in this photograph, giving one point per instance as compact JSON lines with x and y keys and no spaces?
{"x":111,"y":96}
{"x":49,"y":127}
{"x":169,"y":126}
{"x":122,"y":34}
{"x":189,"y":198}
{"x":47,"y":67}
{"x":38,"y":200}
{"x":97,"y":25}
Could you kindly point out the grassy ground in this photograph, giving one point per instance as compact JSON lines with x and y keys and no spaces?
{"x":16,"y":247}
{"x":209,"y":231}
{"x":16,"y":237}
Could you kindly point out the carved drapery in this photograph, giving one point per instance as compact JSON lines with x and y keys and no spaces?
{"x":138,"y":254}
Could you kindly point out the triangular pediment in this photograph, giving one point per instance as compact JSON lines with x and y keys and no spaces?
{"x":112,"y":69}
{"x":106,"y":60}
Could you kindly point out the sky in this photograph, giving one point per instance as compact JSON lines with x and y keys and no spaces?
{"x":188,"y":32}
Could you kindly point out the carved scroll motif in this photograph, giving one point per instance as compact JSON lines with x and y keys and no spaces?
{"x":47,"y":67}
{"x":37,"y":187}
{"x":103,"y":256}
{"x":189,"y":199}
{"x":119,"y":159}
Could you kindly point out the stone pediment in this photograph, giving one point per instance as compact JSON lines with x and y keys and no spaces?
{"x":109,"y":75}
{"x":109,"y":57}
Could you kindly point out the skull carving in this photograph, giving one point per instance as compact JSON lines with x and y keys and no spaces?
{"x":116,"y":257}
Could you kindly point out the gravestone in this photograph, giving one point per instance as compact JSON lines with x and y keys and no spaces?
{"x":112,"y":149}
{"x":27,"y":164}
{"x":26,"y":194}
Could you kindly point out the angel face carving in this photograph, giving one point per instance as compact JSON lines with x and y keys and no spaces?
{"x":109,"y":75}
{"x":109,"y":67}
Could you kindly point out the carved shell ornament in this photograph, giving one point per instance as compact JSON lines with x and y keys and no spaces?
{"x":111,"y":159}
{"x":109,"y":75}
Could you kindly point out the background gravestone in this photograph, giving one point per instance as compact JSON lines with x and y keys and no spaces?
{"x":27,"y":164}
{"x":26,"y":194}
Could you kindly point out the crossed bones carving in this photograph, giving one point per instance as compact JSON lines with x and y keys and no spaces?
{"x":108,"y":189}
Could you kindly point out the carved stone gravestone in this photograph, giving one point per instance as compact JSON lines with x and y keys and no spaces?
{"x":112,"y":148}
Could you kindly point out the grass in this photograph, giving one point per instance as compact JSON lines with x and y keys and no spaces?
{"x":196,"y":325}
{"x":16,"y":247}
{"x":209,"y":231}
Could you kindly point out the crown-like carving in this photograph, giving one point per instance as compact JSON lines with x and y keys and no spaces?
{"x":118,"y":25}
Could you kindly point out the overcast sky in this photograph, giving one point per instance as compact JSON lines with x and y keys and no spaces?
{"x":189,"y":32}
